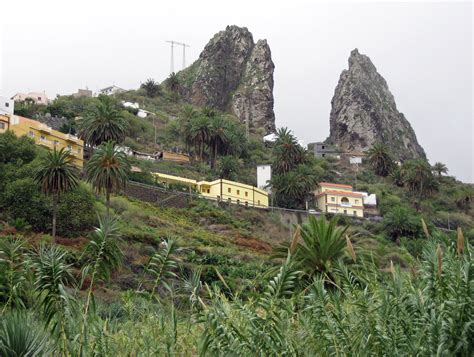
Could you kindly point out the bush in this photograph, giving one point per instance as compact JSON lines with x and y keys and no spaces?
{"x":14,"y":149}
{"x":22,"y":199}
{"x":402,"y":221}
{"x":76,"y":213}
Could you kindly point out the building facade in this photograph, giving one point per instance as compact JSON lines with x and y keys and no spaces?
{"x":264,"y":175}
{"x":221,"y":190}
{"x":36,"y":97}
{"x":7,"y":106}
{"x":323,"y":150}
{"x":45,"y":136}
{"x":339,"y":199}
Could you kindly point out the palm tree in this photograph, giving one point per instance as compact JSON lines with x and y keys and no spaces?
{"x":104,"y":122}
{"x":217,"y":137}
{"x":228,"y":167}
{"x":200,"y":133}
{"x":103,"y":257}
{"x":172,"y":82}
{"x":293,"y":188}
{"x":419,"y":178}
{"x":318,"y":244}
{"x":108,"y":170}
{"x":57,"y":175}
{"x":151,"y":88}
{"x":380,"y":159}
{"x":440,"y":169}
{"x":287,"y":152}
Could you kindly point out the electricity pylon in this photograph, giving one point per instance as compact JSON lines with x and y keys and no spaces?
{"x":172,"y":54}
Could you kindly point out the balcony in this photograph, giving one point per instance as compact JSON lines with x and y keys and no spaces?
{"x":345,"y":204}
{"x":71,"y":137}
{"x":44,"y":128}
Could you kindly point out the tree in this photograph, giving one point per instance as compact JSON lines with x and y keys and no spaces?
{"x":401,"y":221}
{"x":217,"y":139}
{"x":104,"y":122}
{"x":14,"y":149}
{"x":228,"y":167}
{"x":316,"y":245}
{"x":200,"y":134}
{"x":287,"y":152}
{"x":152,"y":88}
{"x":57,"y":175}
{"x":172,"y":82}
{"x":381,"y":159}
{"x":440,"y":169}
{"x":108,"y":170}
{"x":418,"y":178}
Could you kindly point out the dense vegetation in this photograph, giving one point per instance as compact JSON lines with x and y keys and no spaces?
{"x":119,"y":276}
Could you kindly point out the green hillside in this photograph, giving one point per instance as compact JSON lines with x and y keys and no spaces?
{"x":127,"y":277}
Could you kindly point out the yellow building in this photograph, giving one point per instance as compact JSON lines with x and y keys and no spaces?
{"x":221,"y":190}
{"x":44,"y":135}
{"x":335,"y":198}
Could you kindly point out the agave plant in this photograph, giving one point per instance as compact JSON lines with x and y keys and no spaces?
{"x":20,"y":336}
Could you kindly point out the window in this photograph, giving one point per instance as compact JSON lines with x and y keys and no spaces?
{"x":238,"y":202}
{"x":208,"y":190}
{"x":333,"y":199}
{"x":7,"y":105}
{"x":345,"y":211}
{"x":357,"y":201}
{"x":31,"y":134}
{"x":229,"y":200}
{"x":355,"y":213}
{"x":2,"y":125}
{"x":345,"y":200}
{"x":246,"y":204}
{"x":323,"y":155}
{"x":39,"y":98}
{"x":42,"y":138}
{"x":56,"y":142}
{"x":238,"y":192}
{"x":246,"y":194}
{"x":69,"y":147}
{"x":258,"y":202}
{"x":229,"y":190}
{"x":79,"y":150}
{"x":322,"y":147}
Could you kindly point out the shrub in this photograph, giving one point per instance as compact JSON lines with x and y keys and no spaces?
{"x":23,"y":199}
{"x":76,"y":213}
{"x":14,"y":149}
{"x":402,"y":221}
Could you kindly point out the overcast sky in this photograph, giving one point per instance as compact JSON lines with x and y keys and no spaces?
{"x":423,"y":50}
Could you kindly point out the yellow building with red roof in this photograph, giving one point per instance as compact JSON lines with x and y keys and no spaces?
{"x":44,"y":135}
{"x":339,"y":199}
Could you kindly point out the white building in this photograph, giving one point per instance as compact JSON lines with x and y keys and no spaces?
{"x":111,"y":90}
{"x":264,"y":175}
{"x":7,"y":106}
{"x":36,"y":97}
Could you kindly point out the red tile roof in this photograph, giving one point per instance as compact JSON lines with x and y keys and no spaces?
{"x":334,"y":184}
{"x":340,"y":193}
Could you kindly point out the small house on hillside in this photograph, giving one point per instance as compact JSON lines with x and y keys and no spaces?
{"x":320,"y":149}
{"x":111,"y":90}
{"x":336,"y":198}
{"x":36,"y":97}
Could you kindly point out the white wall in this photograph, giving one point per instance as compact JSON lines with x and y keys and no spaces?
{"x":7,"y":105}
{"x":264,"y":174}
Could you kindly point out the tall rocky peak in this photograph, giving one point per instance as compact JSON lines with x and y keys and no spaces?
{"x":234,"y":74}
{"x":364,"y":112}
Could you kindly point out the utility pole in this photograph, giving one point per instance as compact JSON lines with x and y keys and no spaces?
{"x":172,"y":53}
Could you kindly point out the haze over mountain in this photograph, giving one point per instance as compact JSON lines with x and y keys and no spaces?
{"x":424,"y":52}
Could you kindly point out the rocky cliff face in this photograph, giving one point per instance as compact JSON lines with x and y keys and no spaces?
{"x":364,"y":112}
{"x":234,"y":74}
